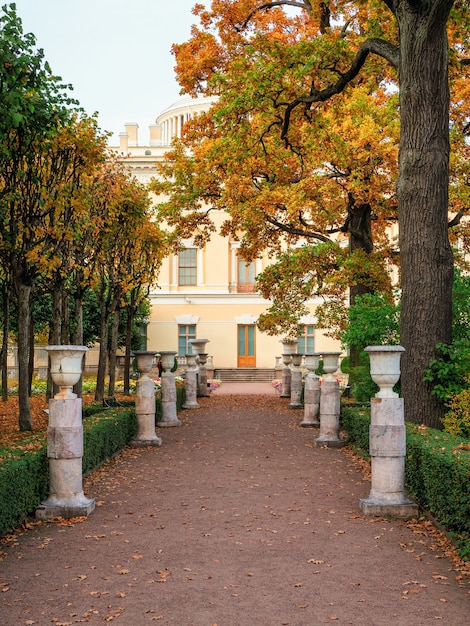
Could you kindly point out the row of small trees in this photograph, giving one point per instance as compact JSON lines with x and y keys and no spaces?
{"x":72,"y":218}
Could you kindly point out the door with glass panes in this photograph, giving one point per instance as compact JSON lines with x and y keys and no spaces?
{"x":246,"y":346}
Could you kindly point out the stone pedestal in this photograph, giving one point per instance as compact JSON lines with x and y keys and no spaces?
{"x":145,"y":406}
{"x":311,"y":393}
{"x":289,"y":347}
{"x":65,"y":439}
{"x":191,"y":383}
{"x":387,"y":440}
{"x":168,"y":384}
{"x":203,"y":390}
{"x":286,"y":376}
{"x":199,"y":348}
{"x":330,"y":404}
{"x":296,"y":382}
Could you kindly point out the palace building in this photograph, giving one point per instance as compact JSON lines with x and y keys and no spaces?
{"x":208,"y":293}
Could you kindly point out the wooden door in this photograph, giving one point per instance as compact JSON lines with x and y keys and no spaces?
{"x":246,"y":345}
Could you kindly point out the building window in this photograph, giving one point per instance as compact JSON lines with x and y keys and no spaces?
{"x":246,"y":276}
{"x":185,"y":333}
{"x":307,"y":340}
{"x":187,"y":270}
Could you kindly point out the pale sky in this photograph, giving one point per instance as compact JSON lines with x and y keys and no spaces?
{"x":115,"y":53}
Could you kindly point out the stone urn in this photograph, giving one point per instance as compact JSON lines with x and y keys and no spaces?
{"x":330,"y":404}
{"x":144,"y":361}
{"x":385,"y":368}
{"x":330,"y":364}
{"x":289,"y":346}
{"x":66,"y":368}
{"x":191,"y":382}
{"x":296,"y":382}
{"x":169,"y":417}
{"x":65,"y":438}
{"x":312,"y":362}
{"x":286,"y":376}
{"x":145,"y":405}
{"x":311,"y":392}
{"x":198,"y":345}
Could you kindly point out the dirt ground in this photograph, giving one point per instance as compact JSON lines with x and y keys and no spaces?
{"x":236,"y":520}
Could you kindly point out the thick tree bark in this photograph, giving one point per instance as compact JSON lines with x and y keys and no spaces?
{"x":23,"y":292}
{"x":425,"y":253}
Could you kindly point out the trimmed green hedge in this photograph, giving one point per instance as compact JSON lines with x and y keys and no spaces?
{"x":437,"y":471}
{"x":24,"y":470}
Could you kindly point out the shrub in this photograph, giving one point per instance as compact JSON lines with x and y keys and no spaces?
{"x":437,"y":470}
{"x":457,"y":419}
{"x":24,"y":471}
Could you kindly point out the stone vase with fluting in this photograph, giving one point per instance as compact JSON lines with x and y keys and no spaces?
{"x":65,"y":438}
{"x":168,"y":384}
{"x":311,"y":417}
{"x":191,"y":383}
{"x":387,"y":439}
{"x":330,"y":404}
{"x":145,"y":405}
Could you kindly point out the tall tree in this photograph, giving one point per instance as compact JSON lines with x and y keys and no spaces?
{"x":34,"y":105}
{"x":129,"y":249}
{"x":293,"y":72}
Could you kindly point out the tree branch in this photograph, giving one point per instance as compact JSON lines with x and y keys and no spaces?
{"x":376,"y":46}
{"x":292,"y":230}
{"x":455,"y":221}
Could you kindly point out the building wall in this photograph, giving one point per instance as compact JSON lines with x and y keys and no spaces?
{"x":213,"y":304}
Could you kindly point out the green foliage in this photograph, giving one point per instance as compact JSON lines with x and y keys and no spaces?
{"x":24,"y":473}
{"x":105,"y":434}
{"x":437,"y":470}
{"x":355,"y":419}
{"x":448,"y":372}
{"x":24,"y":482}
{"x":457,"y":420}
{"x":373,"y":320}
{"x":361,"y":384}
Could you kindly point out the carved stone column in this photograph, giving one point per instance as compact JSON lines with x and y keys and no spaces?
{"x":199,"y":348}
{"x":191,"y":383}
{"x":65,"y":439}
{"x":387,"y":439}
{"x":296,"y":382}
{"x":330,"y":404}
{"x":286,"y":376}
{"x":311,"y":393}
{"x":168,"y":383}
{"x":145,"y":405}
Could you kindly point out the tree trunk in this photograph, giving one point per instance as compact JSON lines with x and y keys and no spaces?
{"x":127,"y":358}
{"x":31,"y":354}
{"x":425,"y":254}
{"x":24,"y":311}
{"x":360,"y":238}
{"x":112,"y":354}
{"x":102,"y":359}
{"x":4,"y":350}
{"x":55,"y":336}
{"x":77,"y":338}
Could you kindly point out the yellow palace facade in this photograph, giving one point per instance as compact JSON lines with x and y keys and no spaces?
{"x":208,"y":293}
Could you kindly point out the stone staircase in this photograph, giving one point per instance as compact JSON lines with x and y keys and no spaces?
{"x":245,"y":375}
